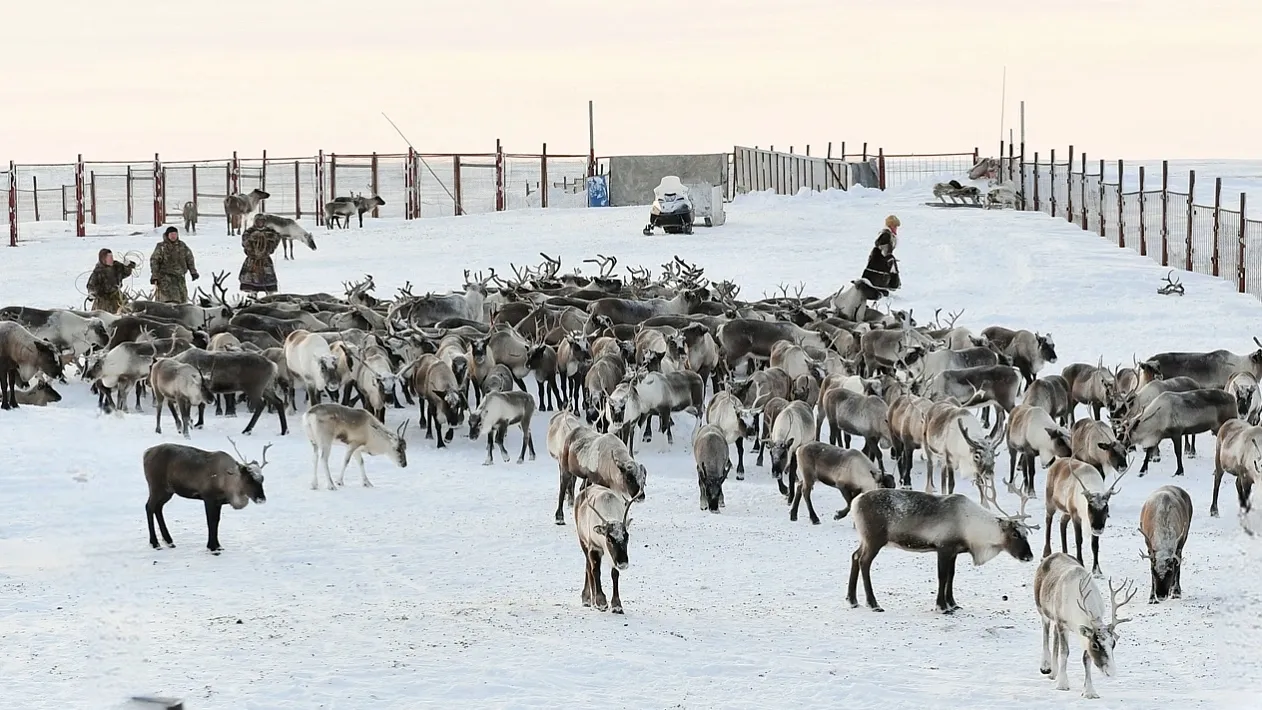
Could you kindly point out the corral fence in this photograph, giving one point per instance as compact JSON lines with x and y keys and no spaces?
{"x":756,"y":169}
{"x":1139,"y":210}
{"x":412,"y":184}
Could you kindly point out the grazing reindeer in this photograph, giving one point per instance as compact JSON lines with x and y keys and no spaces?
{"x":1089,"y":385}
{"x":189,"y":213}
{"x":923,"y":522}
{"x":1164,"y":522}
{"x":339,"y":211}
{"x":1067,"y":598}
{"x":1095,"y":443}
{"x":851,"y":472}
{"x":1238,"y":452}
{"x":794,"y":427}
{"x":908,"y":417}
{"x":496,"y":413}
{"x":290,"y":232}
{"x":1031,"y":433}
{"x":600,"y":517}
{"x":735,"y":421}
{"x":360,"y":431}
{"x":310,"y":360}
{"x":1171,"y":415}
{"x":709,"y":449}
{"x":439,"y":397}
{"x":653,"y":393}
{"x":602,"y":459}
{"x":858,"y":415}
{"x":1051,"y":393}
{"x":213,"y":477}
{"x":1029,"y":351}
{"x":559,"y":428}
{"x":954,"y":435}
{"x":237,"y":208}
{"x":1077,"y":491}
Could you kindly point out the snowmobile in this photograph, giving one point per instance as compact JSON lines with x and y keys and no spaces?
{"x":672,"y":209}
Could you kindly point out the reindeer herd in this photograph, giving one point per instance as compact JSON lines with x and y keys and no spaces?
{"x":610,"y":354}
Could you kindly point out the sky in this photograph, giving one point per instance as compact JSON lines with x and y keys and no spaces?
{"x":1136,"y":79}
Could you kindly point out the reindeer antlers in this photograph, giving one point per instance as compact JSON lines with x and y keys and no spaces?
{"x":606,"y":264}
{"x":1172,"y":287}
{"x":218,"y":288}
{"x":1113,"y":593}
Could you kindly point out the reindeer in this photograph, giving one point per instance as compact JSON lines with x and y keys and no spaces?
{"x":496,"y":412}
{"x":602,"y":460}
{"x":735,"y":421}
{"x":439,"y":397}
{"x":179,"y":385}
{"x":1164,"y":522}
{"x":1077,"y":491}
{"x":574,"y":355}
{"x":1031,"y":433}
{"x":290,"y":231}
{"x":1089,"y":385}
{"x":600,"y":517}
{"x":338,"y":212}
{"x":1067,"y":599}
{"x":908,"y":416}
{"x":213,"y":477}
{"x":1095,"y":443}
{"x":22,"y":357}
{"x":851,"y":472}
{"x":40,"y":394}
{"x":312,"y":361}
{"x":652,"y":393}
{"x":1238,"y":452}
{"x":794,"y":427}
{"x":1171,"y":415}
{"x":541,"y":361}
{"x":709,"y":449}
{"x":1029,"y":351}
{"x":360,"y":431}
{"x":189,"y":213}
{"x":1211,"y":370}
{"x":954,"y":435}
{"x":559,"y":428}
{"x":1051,"y":394}
{"x":924,"y":522}
{"x":858,"y":415}
{"x":237,"y":208}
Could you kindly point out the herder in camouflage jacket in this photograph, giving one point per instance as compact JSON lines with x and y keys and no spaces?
{"x":104,"y":285}
{"x":258,"y":272}
{"x":167,"y":266}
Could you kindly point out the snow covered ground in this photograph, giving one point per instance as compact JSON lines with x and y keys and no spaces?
{"x":449,"y":585}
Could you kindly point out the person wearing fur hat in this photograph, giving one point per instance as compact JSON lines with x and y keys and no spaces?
{"x":105,"y":283}
{"x":882,"y":269}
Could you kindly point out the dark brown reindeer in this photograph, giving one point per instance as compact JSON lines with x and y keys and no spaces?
{"x":213,"y":477}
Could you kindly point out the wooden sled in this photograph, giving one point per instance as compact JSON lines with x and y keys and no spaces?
{"x":953,"y":204}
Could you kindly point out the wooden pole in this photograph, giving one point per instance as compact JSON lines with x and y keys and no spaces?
{"x":297,"y":191}
{"x":80,"y":226}
{"x":543,"y":177}
{"x":1143,"y":235}
{"x":1218,"y":203}
{"x":92,"y":190}
{"x":1103,"y":228}
{"x":1083,"y":199}
{"x":591,"y":140}
{"x":13,"y":204}
{"x":129,"y":196}
{"x":1240,"y":246}
{"x":376,"y":190}
{"x":263,"y":181}
{"x":1191,"y":212}
{"x":333,"y":174}
{"x":1022,"y":163}
{"x":196,"y":202}
{"x":1165,"y":210}
{"x":1121,"y":200}
{"x":1036,"y":181}
{"x":35,"y":194}
{"x":455,"y":167}
{"x":1051,"y":200}
{"x":1069,"y":198}
{"x":880,"y":164}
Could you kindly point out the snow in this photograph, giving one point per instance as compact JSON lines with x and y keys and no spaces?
{"x":449,"y":585}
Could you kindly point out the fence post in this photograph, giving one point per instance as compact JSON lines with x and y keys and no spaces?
{"x":1085,"y":210}
{"x":297,"y":191}
{"x":80,"y":219}
{"x":1103,"y":229}
{"x":1036,"y":180}
{"x":196,"y":202}
{"x":35,"y":195}
{"x":1218,"y":199}
{"x":457,"y":189}
{"x":1240,"y":245}
{"x":499,"y":176}
{"x":1191,"y":211}
{"x":319,"y":188}
{"x":1009,"y":163}
{"x":880,"y":164}
{"x":159,"y":193}
{"x":1022,"y":193}
{"x":1143,"y":232}
{"x":1165,"y":210}
{"x":333,"y":174}
{"x":1069,"y":183}
{"x":1121,"y":222}
{"x":975,"y":153}
{"x":92,"y":190}
{"x":234,"y":175}
{"x":1051,"y":199}
{"x":129,"y":197}
{"x":13,"y":204}
{"x":375,"y":183}
{"x":543,"y":177}
{"x":263,"y":181}
{"x":999,"y":176}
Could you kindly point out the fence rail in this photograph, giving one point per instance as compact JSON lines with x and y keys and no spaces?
{"x":756,"y":169}
{"x":1140,"y":211}
{"x":412,"y":184}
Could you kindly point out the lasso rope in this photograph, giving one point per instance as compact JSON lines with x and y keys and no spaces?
{"x":135,"y":255}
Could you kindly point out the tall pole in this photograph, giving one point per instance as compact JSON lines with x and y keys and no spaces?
{"x":1003,"y":98}
{"x":591,"y":140}
{"x":1022,"y":123}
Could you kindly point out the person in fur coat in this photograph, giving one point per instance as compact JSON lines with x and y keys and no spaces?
{"x":882,"y":270}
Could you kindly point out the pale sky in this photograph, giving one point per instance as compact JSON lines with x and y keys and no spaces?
{"x":1117,"y":78}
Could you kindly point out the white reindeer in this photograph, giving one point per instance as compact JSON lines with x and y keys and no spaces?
{"x":310,"y":360}
{"x":362,"y":434}
{"x":1067,"y":599}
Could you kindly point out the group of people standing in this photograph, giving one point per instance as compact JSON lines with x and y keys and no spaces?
{"x":172,"y":260}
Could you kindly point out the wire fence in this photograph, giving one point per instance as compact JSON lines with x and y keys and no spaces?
{"x":1170,"y":226}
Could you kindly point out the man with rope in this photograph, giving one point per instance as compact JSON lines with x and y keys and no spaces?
{"x":105,"y":283}
{"x":170,"y":259}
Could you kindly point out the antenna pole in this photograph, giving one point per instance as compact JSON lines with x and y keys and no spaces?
{"x":1003,"y":98}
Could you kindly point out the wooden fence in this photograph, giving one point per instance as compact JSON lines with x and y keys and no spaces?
{"x":1139,"y":210}
{"x":412,"y":184}
{"x":755,"y":169}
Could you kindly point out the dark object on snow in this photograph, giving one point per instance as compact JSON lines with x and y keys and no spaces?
{"x":672,"y":209}
{"x":1172,"y":287}
{"x":164,"y":703}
